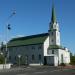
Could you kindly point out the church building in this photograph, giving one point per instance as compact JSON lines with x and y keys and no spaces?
{"x":40,"y":49}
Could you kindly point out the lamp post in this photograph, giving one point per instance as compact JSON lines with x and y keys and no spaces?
{"x":7,"y":28}
{"x":19,"y":56}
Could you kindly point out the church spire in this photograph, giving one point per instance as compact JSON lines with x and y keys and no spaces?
{"x":53,"y":24}
{"x":54,"y":33}
{"x":53,"y":18}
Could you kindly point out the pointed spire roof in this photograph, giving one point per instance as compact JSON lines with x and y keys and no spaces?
{"x":53,"y":18}
{"x":53,"y":23}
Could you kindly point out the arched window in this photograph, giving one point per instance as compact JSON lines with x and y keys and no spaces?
{"x":39,"y":56}
{"x":52,"y":51}
{"x":33,"y":58}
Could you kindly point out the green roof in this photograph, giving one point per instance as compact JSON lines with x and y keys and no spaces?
{"x":28,"y":40}
{"x":55,"y":47}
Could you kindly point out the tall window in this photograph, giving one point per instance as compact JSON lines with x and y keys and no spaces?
{"x":39,"y":47}
{"x":39,"y":56}
{"x":52,"y":51}
{"x":33,"y":58}
{"x":52,"y":40}
{"x":15,"y":57}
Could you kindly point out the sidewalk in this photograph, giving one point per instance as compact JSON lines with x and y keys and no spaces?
{"x":67,"y":67}
{"x":14,"y":69}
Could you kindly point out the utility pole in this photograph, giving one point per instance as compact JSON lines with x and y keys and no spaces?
{"x":19,"y":56}
{"x":8,"y":28}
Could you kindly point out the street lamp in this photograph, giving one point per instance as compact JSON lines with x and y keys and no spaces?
{"x":7,"y":28}
{"x":19,"y":56}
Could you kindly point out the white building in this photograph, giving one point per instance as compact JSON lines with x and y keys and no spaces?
{"x":41,"y":49}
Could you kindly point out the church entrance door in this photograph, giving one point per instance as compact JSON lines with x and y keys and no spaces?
{"x":45,"y":60}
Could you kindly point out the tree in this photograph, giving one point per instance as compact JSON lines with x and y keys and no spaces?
{"x":1,"y":59}
{"x":1,"y":48}
{"x":72,"y":58}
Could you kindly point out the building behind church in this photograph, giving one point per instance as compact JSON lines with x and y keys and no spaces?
{"x":40,"y":49}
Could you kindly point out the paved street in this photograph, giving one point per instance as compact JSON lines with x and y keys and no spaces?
{"x":39,"y":70}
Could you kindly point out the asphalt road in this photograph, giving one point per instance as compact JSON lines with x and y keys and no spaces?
{"x":40,"y":70}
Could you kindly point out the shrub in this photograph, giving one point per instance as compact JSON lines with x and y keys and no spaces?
{"x":1,"y":59}
{"x":62,"y":64}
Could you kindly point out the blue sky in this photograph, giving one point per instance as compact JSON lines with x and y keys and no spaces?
{"x":33,"y":17}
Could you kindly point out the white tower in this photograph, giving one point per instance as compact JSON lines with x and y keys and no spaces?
{"x":54,"y":33}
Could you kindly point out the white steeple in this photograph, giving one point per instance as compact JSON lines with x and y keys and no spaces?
{"x":54,"y":33}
